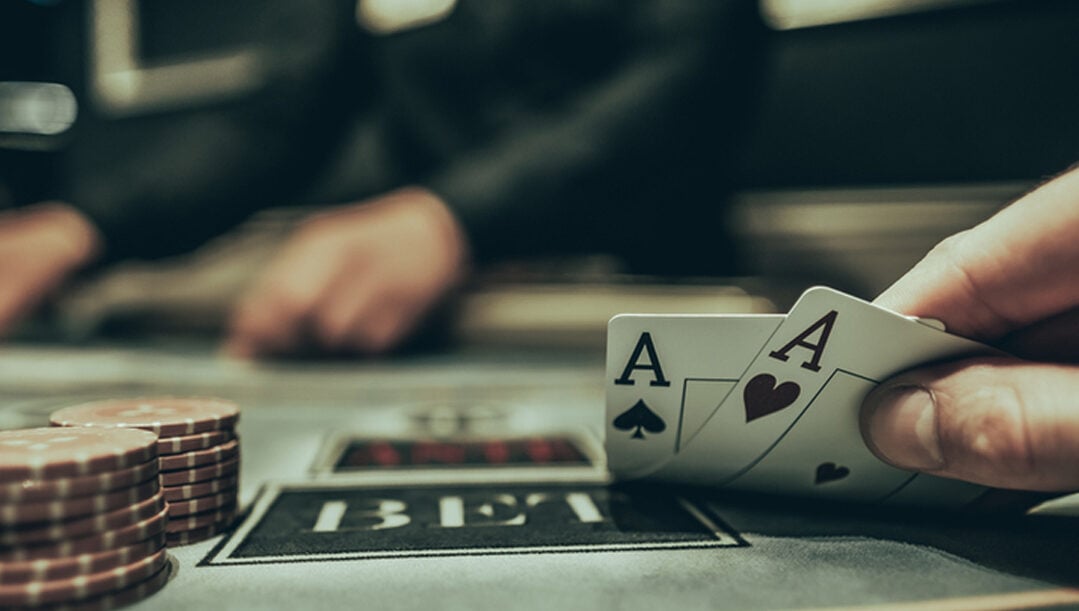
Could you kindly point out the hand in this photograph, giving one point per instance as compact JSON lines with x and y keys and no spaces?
{"x":355,"y":279}
{"x":1003,"y":422}
{"x":40,"y":247}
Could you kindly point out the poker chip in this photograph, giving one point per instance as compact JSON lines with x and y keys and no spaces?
{"x":63,"y":509}
{"x":166,"y":416}
{"x":80,"y":527}
{"x":198,"y":454}
{"x":81,"y":587}
{"x":199,"y":474}
{"x":96,"y":542}
{"x":196,"y":458}
{"x":34,"y":454}
{"x":186,"y":528}
{"x":206,"y":488}
{"x":82,"y":564}
{"x":37,"y":490}
{"x":82,"y":517}
{"x":190,"y":443}
{"x":204,"y":519}
{"x":114,"y":600}
{"x":200,"y":504}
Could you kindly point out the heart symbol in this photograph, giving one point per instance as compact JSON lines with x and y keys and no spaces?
{"x":763,"y":397}
{"x":830,"y":472}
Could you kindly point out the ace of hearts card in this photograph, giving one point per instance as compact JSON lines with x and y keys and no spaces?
{"x":768,"y":403}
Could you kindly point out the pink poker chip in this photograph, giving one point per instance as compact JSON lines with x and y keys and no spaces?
{"x":52,"y":489}
{"x":95,"y":542}
{"x":81,"y":587}
{"x":189,"y":443}
{"x":46,"y":569}
{"x":198,"y":458}
{"x":36,"y":454}
{"x":166,"y":416}
{"x":183,"y":477}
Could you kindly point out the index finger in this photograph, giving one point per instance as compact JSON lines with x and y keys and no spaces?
{"x":1018,"y":267}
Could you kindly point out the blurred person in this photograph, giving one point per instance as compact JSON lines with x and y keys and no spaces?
{"x":1006,"y":422}
{"x":483,"y":131}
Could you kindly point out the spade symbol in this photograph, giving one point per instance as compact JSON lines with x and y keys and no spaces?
{"x":830,"y":472}
{"x":638,"y":417}
{"x":762,"y":396}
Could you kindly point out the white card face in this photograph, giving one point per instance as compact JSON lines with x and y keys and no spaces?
{"x":823,"y":453}
{"x":665,"y":374}
{"x":825,"y":356}
{"x":925,"y":489}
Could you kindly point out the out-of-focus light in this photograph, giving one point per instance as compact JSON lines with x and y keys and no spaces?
{"x":389,"y":16}
{"x":45,"y":109}
{"x":795,"y":14}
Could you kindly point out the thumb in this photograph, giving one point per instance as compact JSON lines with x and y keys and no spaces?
{"x":1000,"y":422}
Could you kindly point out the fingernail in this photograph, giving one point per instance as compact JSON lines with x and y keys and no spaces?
{"x":901,"y":428}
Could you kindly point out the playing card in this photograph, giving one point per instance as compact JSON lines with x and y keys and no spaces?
{"x":922,"y":489}
{"x":665,"y":373}
{"x":822,"y":453}
{"x":791,"y":423}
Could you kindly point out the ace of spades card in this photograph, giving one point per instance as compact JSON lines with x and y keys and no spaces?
{"x":666,"y":371}
{"x":790,"y":425}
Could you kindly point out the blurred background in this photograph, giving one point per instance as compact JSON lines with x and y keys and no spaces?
{"x":736,"y":152}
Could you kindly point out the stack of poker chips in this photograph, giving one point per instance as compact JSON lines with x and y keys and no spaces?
{"x":82,"y":518}
{"x":199,"y":455}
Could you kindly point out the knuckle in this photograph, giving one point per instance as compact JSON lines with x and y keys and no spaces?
{"x":950,"y":247}
{"x":376,"y":338}
{"x":331,"y":330}
{"x":950,"y":253}
{"x":968,"y":271}
{"x":283,"y":303}
{"x":247,"y":318}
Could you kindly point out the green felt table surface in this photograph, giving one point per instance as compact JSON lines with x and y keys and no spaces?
{"x":772,"y":553}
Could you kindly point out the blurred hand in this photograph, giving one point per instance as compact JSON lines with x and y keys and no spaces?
{"x":40,"y":246}
{"x":355,"y":279}
{"x":1003,"y":422}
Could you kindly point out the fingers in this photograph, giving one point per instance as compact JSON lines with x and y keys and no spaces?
{"x":40,"y":247}
{"x":1000,"y":422}
{"x":357,"y":318}
{"x":265,"y":325}
{"x":272,"y":316}
{"x":1052,"y":339}
{"x":1016,"y":268}
{"x":356,"y":280}
{"x":350,"y":317}
{"x":16,"y":301}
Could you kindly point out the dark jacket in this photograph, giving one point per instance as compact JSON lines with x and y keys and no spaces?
{"x":549,"y":127}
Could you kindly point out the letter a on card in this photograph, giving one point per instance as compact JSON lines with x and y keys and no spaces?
{"x":644,"y":344}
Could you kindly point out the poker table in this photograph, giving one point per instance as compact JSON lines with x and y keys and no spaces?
{"x":476,"y":478}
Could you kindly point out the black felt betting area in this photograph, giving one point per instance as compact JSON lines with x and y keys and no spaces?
{"x":303,"y":524}
{"x":410,"y":453}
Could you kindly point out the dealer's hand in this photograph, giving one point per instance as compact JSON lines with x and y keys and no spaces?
{"x":356,"y":279}
{"x":40,"y":247}
{"x":1004,"y":422}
